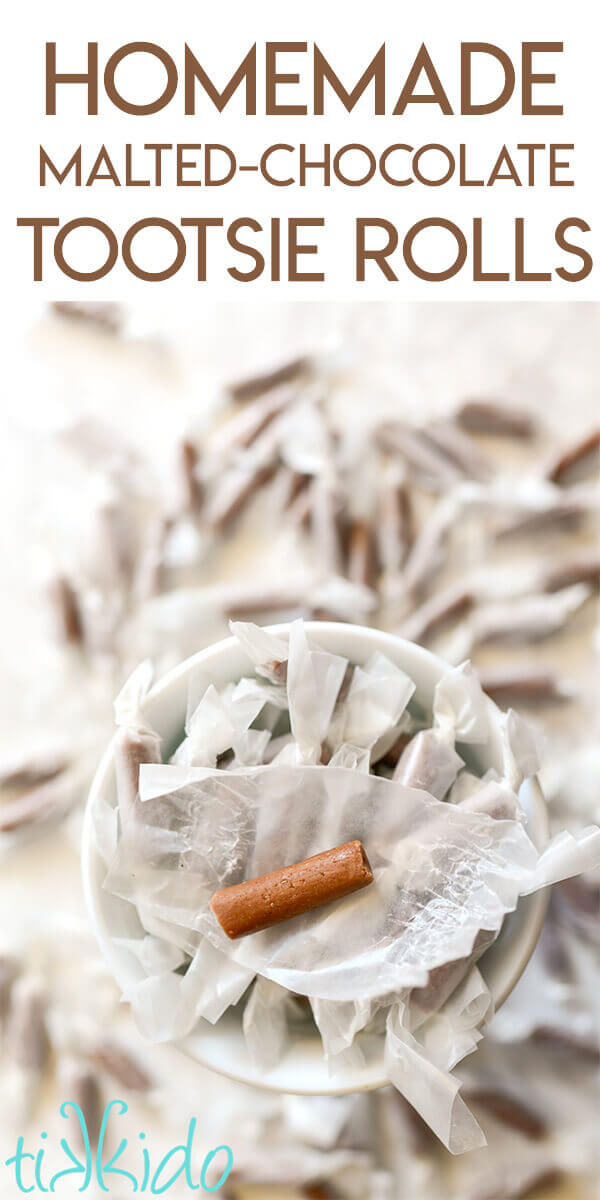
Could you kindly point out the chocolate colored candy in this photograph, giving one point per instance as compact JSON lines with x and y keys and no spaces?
{"x":509,"y":1110}
{"x":572,"y":1046}
{"x":9,"y":970}
{"x":495,"y":419}
{"x":517,"y":685}
{"x":38,"y":805}
{"x":395,"y":524}
{"x":121,"y":1066}
{"x":67,"y":611}
{"x":290,"y":891}
{"x":32,"y":772}
{"x":320,"y":1191}
{"x":193,"y":488}
{"x":255,"y":385}
{"x":27,"y":1039}
{"x":261,"y":606}
{"x":80,"y":1085}
{"x":566,"y":574}
{"x":429,"y":763}
{"x":237,"y":492}
{"x":106,"y":316}
{"x":132,"y":748}
{"x":445,"y":608}
{"x":458,"y":448}
{"x":425,"y":463}
{"x":363,"y":562}
{"x":582,"y":458}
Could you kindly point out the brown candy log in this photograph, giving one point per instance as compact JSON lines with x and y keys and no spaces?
{"x":256,"y":385}
{"x":132,"y":749}
{"x":517,"y":685}
{"x":9,"y":971}
{"x":105,"y":316}
{"x":80,"y":1085}
{"x":27,"y":1039}
{"x":290,"y":891}
{"x":363,"y":559}
{"x":67,"y":611}
{"x":445,"y":608}
{"x":566,"y":574}
{"x":508,"y":1110}
{"x":495,"y":419}
{"x":236,"y":493}
{"x":583,"y":457}
{"x":447,"y":437}
{"x":396,"y":525}
{"x":121,"y":1066}
{"x":39,"y":805}
{"x":192,"y":486}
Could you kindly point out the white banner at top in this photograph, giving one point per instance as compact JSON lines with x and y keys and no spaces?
{"x":327,"y":151}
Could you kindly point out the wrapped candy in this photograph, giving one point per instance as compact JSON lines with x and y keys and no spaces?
{"x":529,"y":619}
{"x":460,"y":713}
{"x":243,"y":390}
{"x":425,"y":461}
{"x":431,"y":546}
{"x":314,"y":678}
{"x":265,"y":1022}
{"x":189,"y":579}
{"x":430,"y":763}
{"x":80,"y":1086}
{"x":28,"y":1044}
{"x":495,"y":419}
{"x":136,"y":741}
{"x":447,"y":436}
{"x":395,"y":520}
{"x":268,"y":654}
{"x":9,"y":970}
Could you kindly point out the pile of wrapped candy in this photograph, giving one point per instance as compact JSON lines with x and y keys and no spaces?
{"x":292,"y":769}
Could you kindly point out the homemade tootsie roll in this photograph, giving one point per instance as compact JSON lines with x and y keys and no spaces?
{"x":292,"y":891}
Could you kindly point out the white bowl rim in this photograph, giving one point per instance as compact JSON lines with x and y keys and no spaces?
{"x":303,"y":1070}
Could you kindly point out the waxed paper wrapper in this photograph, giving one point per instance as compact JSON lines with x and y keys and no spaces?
{"x":442,"y":875}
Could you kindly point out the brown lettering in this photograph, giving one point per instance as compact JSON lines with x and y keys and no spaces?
{"x":74,"y":162}
{"x":86,"y":223}
{"x":528,"y":108}
{"x":467,"y":50}
{"x":587,"y":261}
{"x":378,"y":256}
{"x":433,"y":223}
{"x":374,"y":72}
{"x":295,"y":248}
{"x":90,"y":78}
{"x":153,"y":223}
{"x":245,"y":72}
{"x":274,"y":108}
{"x":37,"y":224}
{"x":409,"y":96}
{"x":154,"y":106}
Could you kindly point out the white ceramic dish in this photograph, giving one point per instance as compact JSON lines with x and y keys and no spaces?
{"x":221,"y":1047}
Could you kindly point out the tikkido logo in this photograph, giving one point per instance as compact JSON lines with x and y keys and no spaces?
{"x":31,"y":1172}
